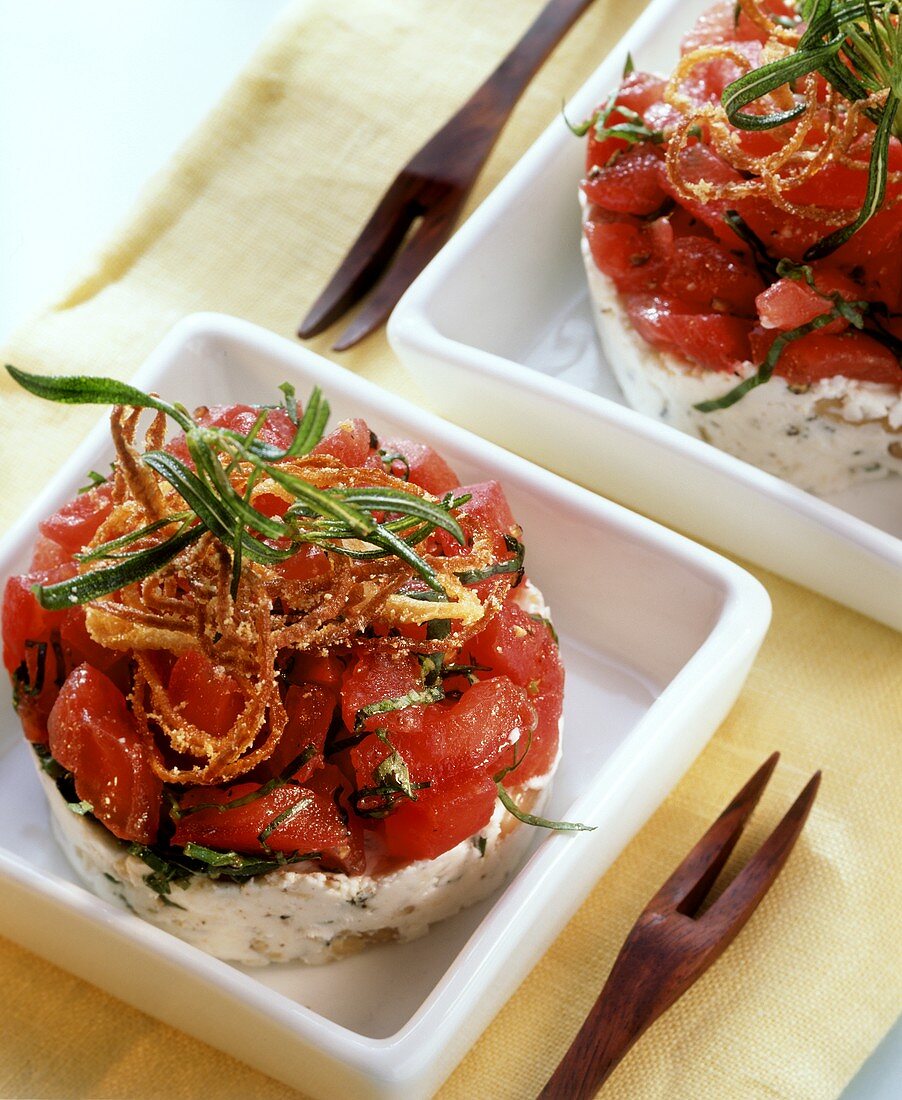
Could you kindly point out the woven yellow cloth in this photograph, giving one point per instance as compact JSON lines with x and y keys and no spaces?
{"x":250,"y":219}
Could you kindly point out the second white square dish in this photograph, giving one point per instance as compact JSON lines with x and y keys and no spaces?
{"x":499,"y":329}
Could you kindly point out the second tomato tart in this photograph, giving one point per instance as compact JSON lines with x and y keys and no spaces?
{"x":742,"y":231}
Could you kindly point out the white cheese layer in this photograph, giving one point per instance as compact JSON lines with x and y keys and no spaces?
{"x":309,"y":917}
{"x":835,"y":433}
{"x":306,"y":916}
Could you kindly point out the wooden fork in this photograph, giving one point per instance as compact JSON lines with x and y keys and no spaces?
{"x":433,"y":187}
{"x":669,"y":946}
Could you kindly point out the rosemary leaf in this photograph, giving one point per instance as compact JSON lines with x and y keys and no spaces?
{"x":101,"y":582}
{"x":878,"y":167}
{"x":84,"y":390}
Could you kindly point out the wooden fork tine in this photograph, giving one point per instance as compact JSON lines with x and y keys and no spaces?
{"x":737,"y":903}
{"x":368,"y":257}
{"x":435,"y":228}
{"x":689,"y":884}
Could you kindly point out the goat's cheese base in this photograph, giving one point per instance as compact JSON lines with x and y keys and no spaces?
{"x":307,"y":916}
{"x":835,"y":433}
{"x":296,"y":916}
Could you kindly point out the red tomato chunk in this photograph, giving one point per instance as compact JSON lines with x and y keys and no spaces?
{"x":93,"y":735}
{"x":291,"y":819}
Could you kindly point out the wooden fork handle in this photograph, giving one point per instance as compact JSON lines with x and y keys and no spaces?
{"x":470,"y":134}
{"x":640,"y":987}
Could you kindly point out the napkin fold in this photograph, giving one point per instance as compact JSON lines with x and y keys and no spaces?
{"x":250,"y":218}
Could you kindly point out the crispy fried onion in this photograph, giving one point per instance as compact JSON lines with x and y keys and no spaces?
{"x":188,"y":606}
{"x":827,"y":130}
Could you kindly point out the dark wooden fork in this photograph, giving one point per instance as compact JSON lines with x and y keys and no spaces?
{"x":433,"y":187}
{"x":669,"y":946}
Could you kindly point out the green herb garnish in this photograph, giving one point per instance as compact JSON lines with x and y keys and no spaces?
{"x":326,"y":518}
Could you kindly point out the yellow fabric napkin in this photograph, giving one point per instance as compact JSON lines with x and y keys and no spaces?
{"x":250,"y":219}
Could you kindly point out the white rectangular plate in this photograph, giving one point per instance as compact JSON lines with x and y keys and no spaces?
{"x":498,"y":330}
{"x":657,"y":635}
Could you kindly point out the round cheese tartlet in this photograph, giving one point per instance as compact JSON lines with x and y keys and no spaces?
{"x":742,"y":221}
{"x":290,"y":693}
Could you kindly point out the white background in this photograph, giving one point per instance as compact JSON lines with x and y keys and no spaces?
{"x":94,"y":97}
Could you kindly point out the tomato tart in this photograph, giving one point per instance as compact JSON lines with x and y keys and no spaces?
{"x":742,"y":230}
{"x":290,"y":693}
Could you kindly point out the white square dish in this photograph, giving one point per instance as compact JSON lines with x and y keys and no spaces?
{"x":499,"y":331}
{"x":658,"y":635}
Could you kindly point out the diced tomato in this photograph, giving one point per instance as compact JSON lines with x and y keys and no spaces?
{"x":788,"y":303}
{"x":698,"y":164}
{"x":486,"y":510}
{"x":630,"y":184}
{"x":871,"y":258}
{"x":308,"y":564}
{"x":721,"y":23}
{"x":839,"y":186}
{"x":93,"y":735}
{"x":80,"y":648}
{"x":47,"y":554}
{"x":640,"y":90}
{"x":204,"y":694}
{"x":705,"y":274}
{"x":24,"y":620}
{"x":378,"y":675}
{"x":31,"y":648}
{"x":76,"y":523}
{"x":480,"y":730}
{"x":349,"y":443}
{"x":313,"y":821}
{"x":487,"y":505}
{"x":439,"y":819}
{"x":516,"y":645}
{"x":278,"y":428}
{"x":717,"y":341}
{"x":459,"y":749}
{"x":317,"y":667}
{"x":458,"y":741}
{"x":782,"y":234}
{"x":708,"y":79}
{"x":310,"y":708}
{"x":850,"y":354}
{"x":634,"y":254}
{"x":418,"y":463}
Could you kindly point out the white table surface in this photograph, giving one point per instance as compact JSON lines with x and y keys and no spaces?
{"x":94,"y":97}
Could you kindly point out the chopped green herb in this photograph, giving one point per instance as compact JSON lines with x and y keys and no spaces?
{"x":540,"y":822}
{"x":94,"y":479}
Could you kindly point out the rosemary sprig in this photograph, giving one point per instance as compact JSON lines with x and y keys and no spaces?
{"x":328,"y":518}
{"x":101,"y":582}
